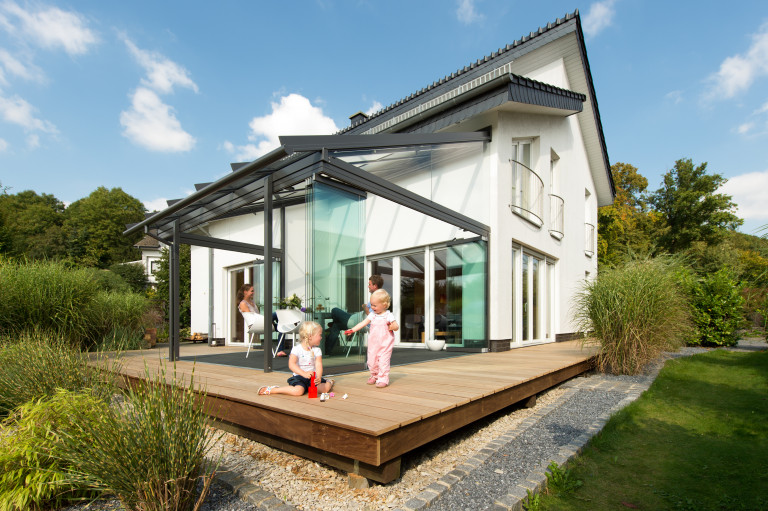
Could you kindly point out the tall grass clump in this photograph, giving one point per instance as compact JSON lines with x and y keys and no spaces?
{"x":32,"y":475}
{"x":35,"y":364}
{"x":150,"y":452}
{"x":118,"y":319}
{"x":634,"y":313}
{"x":47,"y":296}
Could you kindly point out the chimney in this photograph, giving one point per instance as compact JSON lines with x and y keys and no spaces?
{"x":357,"y":118}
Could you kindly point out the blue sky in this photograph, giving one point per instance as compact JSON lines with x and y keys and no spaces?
{"x":154,"y":96}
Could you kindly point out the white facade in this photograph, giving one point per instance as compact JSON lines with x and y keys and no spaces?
{"x":536,"y":262}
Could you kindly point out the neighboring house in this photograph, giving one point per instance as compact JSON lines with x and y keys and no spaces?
{"x":475,"y":198}
{"x":151,"y":251}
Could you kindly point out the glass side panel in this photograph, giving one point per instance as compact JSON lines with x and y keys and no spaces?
{"x":336,"y":279}
{"x":536,"y":316}
{"x":526,"y":298}
{"x":412,"y":279}
{"x":382,"y":267}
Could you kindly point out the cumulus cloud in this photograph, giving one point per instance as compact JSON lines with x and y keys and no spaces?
{"x":745,"y":128}
{"x":375,"y":107}
{"x":737,"y":73}
{"x":750,"y":192}
{"x":149,"y":122}
{"x":599,"y":16}
{"x":156,"y":204}
{"x":162,"y":74}
{"x":11,"y":66}
{"x":48,"y":27}
{"x":18,"y":111}
{"x":293,"y":115}
{"x":152,"y":124}
{"x":466,"y":12}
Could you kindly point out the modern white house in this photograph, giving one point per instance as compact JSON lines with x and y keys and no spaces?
{"x":475,"y":198}
{"x":151,"y":253}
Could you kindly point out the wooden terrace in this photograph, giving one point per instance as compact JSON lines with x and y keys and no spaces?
{"x":367,"y":433}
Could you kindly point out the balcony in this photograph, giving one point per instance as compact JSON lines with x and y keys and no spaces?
{"x":556,"y":219}
{"x":589,"y":240}
{"x":527,"y":193}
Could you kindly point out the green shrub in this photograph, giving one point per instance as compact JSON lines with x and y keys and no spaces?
{"x":716,"y":308}
{"x":133,"y":274}
{"x":635,"y":312}
{"x":31,"y":474}
{"x":35,"y":365}
{"x":151,"y":452}
{"x":46,"y":296}
{"x":108,"y":280}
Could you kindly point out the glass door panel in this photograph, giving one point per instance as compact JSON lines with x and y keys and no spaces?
{"x":412,"y":279}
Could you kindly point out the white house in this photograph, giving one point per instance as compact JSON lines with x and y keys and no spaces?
{"x":151,"y":253}
{"x":475,"y":198}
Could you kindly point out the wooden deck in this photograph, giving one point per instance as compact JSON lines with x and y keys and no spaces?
{"x":368,"y":432}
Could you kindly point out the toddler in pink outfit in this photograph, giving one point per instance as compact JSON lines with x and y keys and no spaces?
{"x":381,"y":337}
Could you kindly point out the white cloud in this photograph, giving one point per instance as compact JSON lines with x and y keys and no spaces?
{"x":33,"y":140}
{"x":375,"y":107}
{"x":3,"y":145}
{"x":16,"y":110}
{"x":737,"y":73}
{"x":294,"y":115}
{"x":745,"y":128}
{"x":750,"y":192}
{"x":156,"y":204}
{"x":162,"y":73}
{"x":151,"y":124}
{"x":599,"y":16}
{"x":466,"y":13}
{"x":49,"y":27}
{"x":10,"y":65}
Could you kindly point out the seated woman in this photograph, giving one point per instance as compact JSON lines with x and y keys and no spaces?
{"x":246,"y":304}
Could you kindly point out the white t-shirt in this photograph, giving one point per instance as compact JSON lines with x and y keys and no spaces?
{"x":386,"y":315}
{"x":306,"y":358}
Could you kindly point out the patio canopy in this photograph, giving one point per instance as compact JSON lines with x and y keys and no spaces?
{"x":356,"y":162}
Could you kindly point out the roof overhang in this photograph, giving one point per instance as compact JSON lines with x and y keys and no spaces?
{"x":296,"y":160}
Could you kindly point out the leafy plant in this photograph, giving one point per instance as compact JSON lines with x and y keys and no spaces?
{"x":289,"y":302}
{"x":533,"y":502}
{"x":634,"y":312}
{"x":31,"y":474}
{"x":716,"y":308}
{"x":36,"y":364}
{"x":151,"y":452}
{"x":561,"y":481}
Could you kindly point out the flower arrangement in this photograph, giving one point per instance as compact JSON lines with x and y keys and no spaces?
{"x":291,"y":302}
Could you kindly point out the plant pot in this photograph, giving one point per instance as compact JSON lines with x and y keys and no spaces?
{"x":435,"y":344}
{"x":150,"y":335}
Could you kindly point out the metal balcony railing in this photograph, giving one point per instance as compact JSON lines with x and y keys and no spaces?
{"x":527,"y":194}
{"x":556,"y":219}
{"x":589,"y":241}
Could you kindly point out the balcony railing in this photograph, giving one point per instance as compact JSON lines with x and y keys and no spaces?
{"x":589,"y":245}
{"x":527,"y":193}
{"x":556,"y":220}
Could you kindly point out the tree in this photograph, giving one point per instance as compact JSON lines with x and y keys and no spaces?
{"x":31,"y":225}
{"x":94,"y":228}
{"x":690,"y":207}
{"x":625,"y":227}
{"x":185,"y":283}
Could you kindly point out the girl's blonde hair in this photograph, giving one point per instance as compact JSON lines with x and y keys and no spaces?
{"x":382,"y":296}
{"x":306,"y":331}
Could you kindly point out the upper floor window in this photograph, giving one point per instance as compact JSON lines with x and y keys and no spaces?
{"x":527,"y":186}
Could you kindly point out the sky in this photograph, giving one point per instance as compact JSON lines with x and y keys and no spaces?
{"x":153,"y":97}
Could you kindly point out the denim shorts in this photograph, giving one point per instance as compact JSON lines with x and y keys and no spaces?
{"x":300,"y":381}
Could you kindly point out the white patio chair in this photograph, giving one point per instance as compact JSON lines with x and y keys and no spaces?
{"x":255,"y":323}
{"x":288,"y":322}
{"x":359,"y":339}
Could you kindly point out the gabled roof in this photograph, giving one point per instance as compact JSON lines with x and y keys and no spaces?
{"x":439,"y":105}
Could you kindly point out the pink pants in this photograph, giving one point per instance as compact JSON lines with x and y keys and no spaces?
{"x":381,"y":342}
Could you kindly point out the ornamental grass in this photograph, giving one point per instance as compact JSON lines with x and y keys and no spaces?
{"x":634,"y":313}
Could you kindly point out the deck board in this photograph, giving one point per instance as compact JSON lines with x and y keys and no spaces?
{"x":372,"y":427}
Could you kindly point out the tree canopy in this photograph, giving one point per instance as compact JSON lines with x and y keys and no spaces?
{"x":31,"y":225}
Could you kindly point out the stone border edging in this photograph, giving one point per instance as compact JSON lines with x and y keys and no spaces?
{"x":250,"y":492}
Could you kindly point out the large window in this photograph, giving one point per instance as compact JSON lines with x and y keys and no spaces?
{"x":527,"y":186}
{"x":533,"y":297}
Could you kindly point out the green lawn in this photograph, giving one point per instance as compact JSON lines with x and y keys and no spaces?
{"x":696,"y":440}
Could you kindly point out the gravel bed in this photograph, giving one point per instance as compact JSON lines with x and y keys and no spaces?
{"x":470,"y":469}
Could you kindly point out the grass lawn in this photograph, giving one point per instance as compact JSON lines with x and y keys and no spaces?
{"x":696,"y":440}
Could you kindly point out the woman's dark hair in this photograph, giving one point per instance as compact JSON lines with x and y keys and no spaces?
{"x":241,"y":292}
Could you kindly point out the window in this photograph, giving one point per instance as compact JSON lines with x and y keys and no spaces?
{"x":154,"y":266}
{"x":556,"y":203}
{"x":533,"y":297}
{"x":527,"y":186}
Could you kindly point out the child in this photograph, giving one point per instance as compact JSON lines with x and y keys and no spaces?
{"x":305,"y":359}
{"x":381,"y":337}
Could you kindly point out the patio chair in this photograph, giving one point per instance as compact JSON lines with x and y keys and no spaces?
{"x":255,"y":324}
{"x":288,"y":322}
{"x":359,"y":339}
